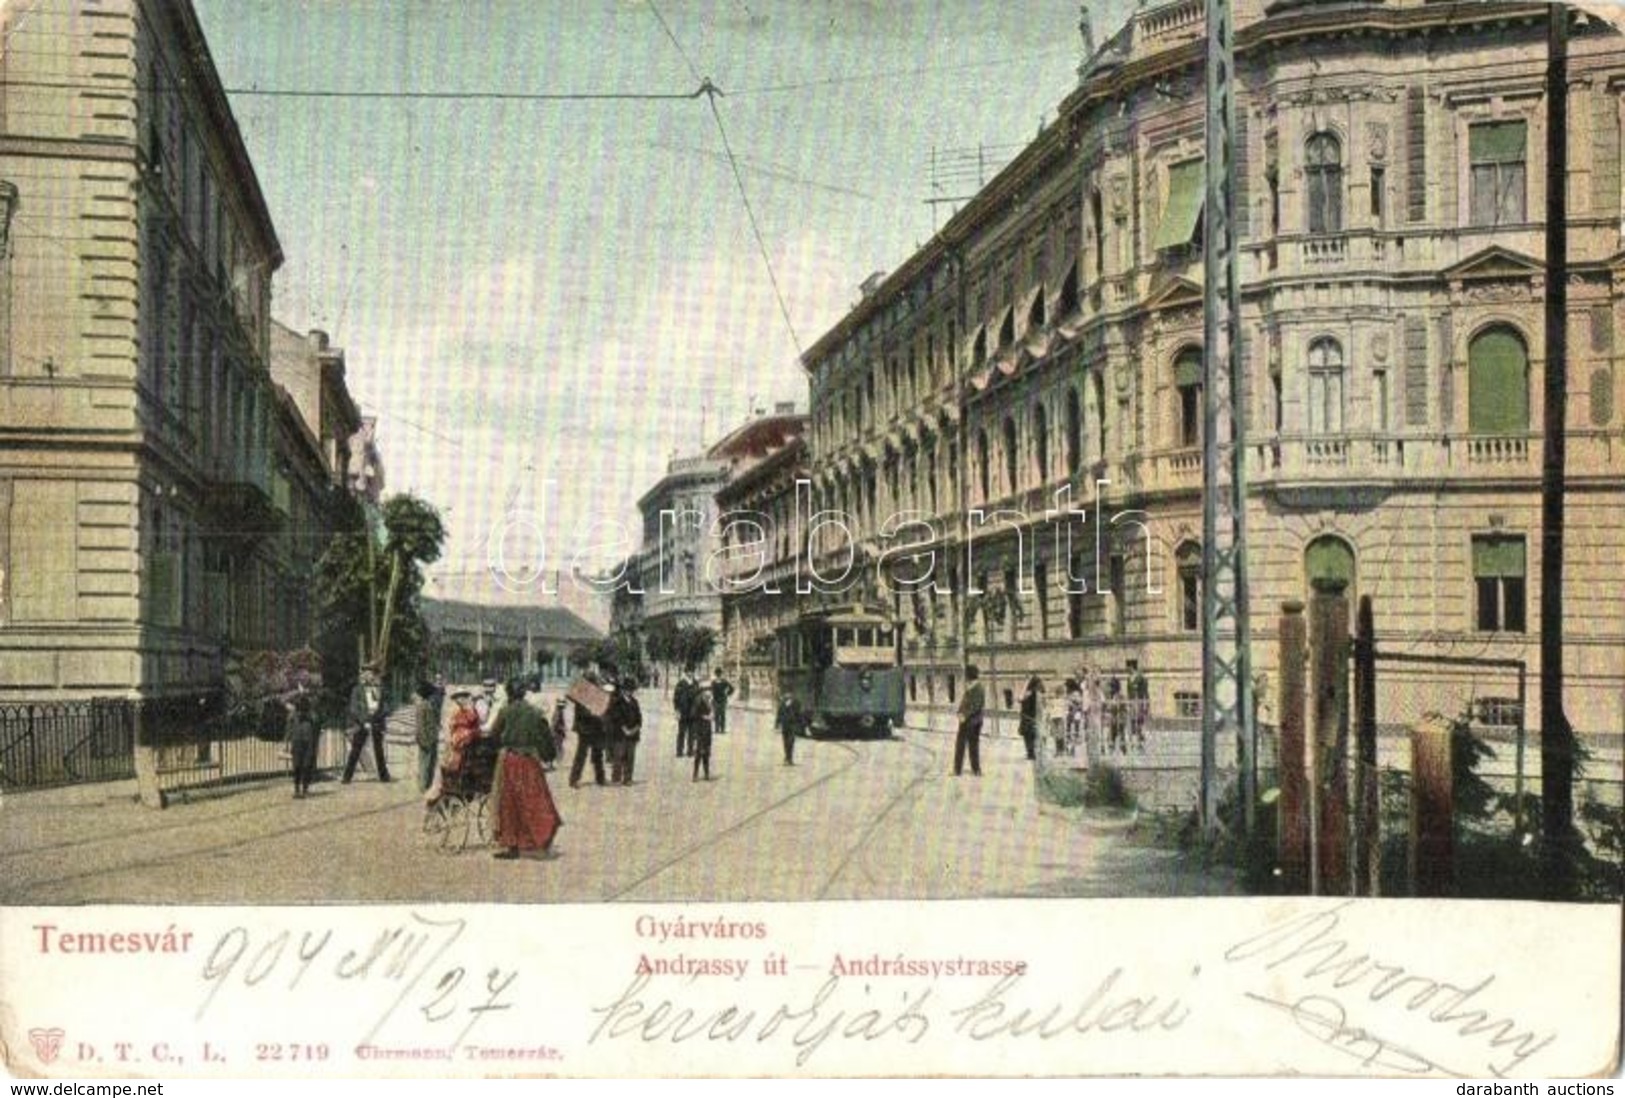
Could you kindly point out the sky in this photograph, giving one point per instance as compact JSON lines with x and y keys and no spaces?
{"x":543,"y":301}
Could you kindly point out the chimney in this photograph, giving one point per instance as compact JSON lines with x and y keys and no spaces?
{"x":318,"y":337}
{"x":871,"y":284}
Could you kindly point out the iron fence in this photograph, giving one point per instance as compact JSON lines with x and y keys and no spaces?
{"x":62,"y":743}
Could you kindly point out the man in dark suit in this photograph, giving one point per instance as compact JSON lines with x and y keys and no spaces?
{"x":590,"y":733}
{"x":682,"y":701}
{"x":972,"y":706}
{"x":721,"y":691}
{"x":367,"y":719}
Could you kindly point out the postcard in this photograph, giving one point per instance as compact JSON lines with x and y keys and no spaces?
{"x":716,"y":539}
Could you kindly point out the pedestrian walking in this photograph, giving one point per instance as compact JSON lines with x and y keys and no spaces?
{"x":300,"y":731}
{"x":972,"y":708}
{"x":624,"y":728}
{"x":699,"y":734}
{"x":367,"y":721}
{"x":1031,"y":712}
{"x":426,"y":726}
{"x":589,"y":729}
{"x":789,"y":722}
{"x":526,"y":817}
{"x":721,"y":691}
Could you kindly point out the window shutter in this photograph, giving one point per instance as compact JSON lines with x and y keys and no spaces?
{"x":1602,"y":330}
{"x":1498,"y":558}
{"x":1605,"y":153}
{"x":1416,"y":192}
{"x":1497,"y":385}
{"x":1416,"y":372}
{"x":1447,"y":392}
{"x":1187,"y":186}
{"x":1244,"y":174}
{"x":1602,"y":397}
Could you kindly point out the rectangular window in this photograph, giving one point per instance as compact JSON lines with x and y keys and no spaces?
{"x":1190,"y":600}
{"x":1496,"y":155}
{"x":1378,"y":197}
{"x":1499,"y":582}
{"x":1188,"y":704}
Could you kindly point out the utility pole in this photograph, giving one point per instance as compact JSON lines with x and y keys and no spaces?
{"x":1556,"y":737}
{"x":1227,"y":689}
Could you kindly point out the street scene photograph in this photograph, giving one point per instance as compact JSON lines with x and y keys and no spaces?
{"x":658,"y":451}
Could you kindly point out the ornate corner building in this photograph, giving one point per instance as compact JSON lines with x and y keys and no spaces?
{"x":1016,"y":412}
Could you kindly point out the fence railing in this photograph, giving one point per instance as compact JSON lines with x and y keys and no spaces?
{"x":62,"y":743}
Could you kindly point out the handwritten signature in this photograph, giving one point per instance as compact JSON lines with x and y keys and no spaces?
{"x":1315,"y":949}
{"x":413,"y":958}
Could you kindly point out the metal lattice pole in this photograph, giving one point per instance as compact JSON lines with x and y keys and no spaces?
{"x":1227,"y":703}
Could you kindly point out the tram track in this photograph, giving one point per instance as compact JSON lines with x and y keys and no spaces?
{"x":860,"y":849}
{"x":665,"y":865}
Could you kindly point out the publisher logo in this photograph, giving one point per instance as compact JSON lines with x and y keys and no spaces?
{"x":47,"y":1043}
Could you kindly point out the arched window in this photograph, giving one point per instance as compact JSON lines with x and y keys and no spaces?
{"x":1188,"y":577}
{"x":1007,"y":330}
{"x":1328,"y":561}
{"x":1325,"y":387}
{"x":978,"y":351}
{"x":1188,"y":385}
{"x":1012,"y":456}
{"x":1497,"y":383}
{"x":1074,"y":432}
{"x":982,"y":463}
{"x":1036,"y":317}
{"x":1323,"y":169}
{"x":1041,"y":442}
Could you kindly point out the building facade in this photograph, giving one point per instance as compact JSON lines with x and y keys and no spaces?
{"x":137,"y":414}
{"x":690,"y":556}
{"x":1016,"y":411}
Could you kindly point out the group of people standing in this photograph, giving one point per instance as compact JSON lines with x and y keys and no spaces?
{"x":702,"y":711}
{"x":1108,"y":711}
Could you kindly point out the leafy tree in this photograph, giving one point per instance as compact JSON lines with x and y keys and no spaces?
{"x":372,"y":591}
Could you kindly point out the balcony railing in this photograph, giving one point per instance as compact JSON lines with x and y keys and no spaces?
{"x":1498,"y":450}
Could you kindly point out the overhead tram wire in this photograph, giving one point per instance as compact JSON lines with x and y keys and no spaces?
{"x":711,"y":92}
{"x":756,"y":230}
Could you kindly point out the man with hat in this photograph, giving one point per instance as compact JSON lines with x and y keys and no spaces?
{"x":367,"y":717}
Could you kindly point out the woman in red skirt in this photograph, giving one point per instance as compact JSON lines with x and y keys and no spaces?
{"x":526,"y":817}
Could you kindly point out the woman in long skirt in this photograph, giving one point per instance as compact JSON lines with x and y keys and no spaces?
{"x":526,"y":816}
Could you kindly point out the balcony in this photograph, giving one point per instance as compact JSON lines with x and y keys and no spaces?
{"x":242,"y":507}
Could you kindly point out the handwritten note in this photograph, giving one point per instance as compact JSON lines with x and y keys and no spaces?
{"x":1213,"y":987}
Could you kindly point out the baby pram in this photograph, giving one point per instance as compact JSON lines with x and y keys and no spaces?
{"x":461,"y":812}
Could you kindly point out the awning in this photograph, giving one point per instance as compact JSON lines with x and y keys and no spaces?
{"x":1496,"y":142}
{"x":1187,"y":186}
{"x":1496,"y":558}
{"x":1187,"y":371}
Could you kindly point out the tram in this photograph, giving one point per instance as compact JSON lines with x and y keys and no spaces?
{"x":843,"y":666}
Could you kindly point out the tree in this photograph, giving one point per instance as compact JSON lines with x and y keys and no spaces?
{"x":694,"y":645}
{"x":374,"y":592}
